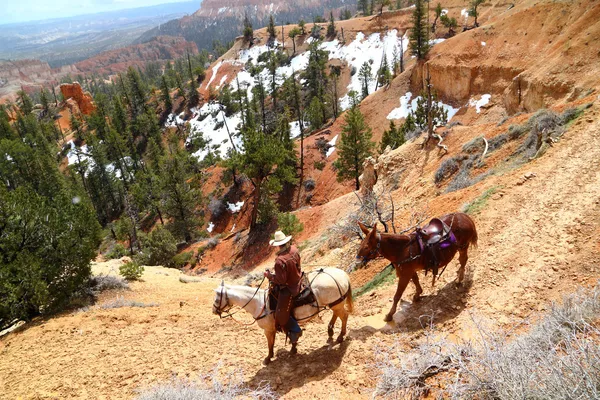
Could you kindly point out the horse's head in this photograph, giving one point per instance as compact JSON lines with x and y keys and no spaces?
{"x":221,"y":303}
{"x":369,"y":248}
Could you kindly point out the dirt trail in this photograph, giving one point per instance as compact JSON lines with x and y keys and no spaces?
{"x":538,"y":240}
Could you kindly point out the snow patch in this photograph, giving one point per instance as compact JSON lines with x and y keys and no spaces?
{"x":403,"y":110}
{"x":210,"y":228}
{"x":465,"y":13}
{"x":214,"y":74}
{"x":483,"y":44}
{"x":436,"y":41}
{"x":295,"y":129}
{"x":406,"y":107}
{"x":235,"y":207}
{"x":484,"y":100}
{"x":332,"y":143}
{"x":444,"y":12}
{"x":223,"y":80}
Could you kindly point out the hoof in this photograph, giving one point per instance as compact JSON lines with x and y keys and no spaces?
{"x":267,"y":361}
{"x":459,"y":284}
{"x":340,"y":339}
{"x":416,"y":298}
{"x":389,"y":318}
{"x":294,"y":350}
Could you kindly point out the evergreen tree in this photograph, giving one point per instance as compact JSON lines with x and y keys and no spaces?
{"x":76,"y":128}
{"x":384,"y":76}
{"x":419,"y":35}
{"x":365,"y":77}
{"x":331,"y":31}
{"x":393,"y":137}
{"x":271,"y":29}
{"x":315,"y":114}
{"x":180,"y":195}
{"x":194,"y":96}
{"x":315,"y":74}
{"x":49,"y":231}
{"x":25,"y":103}
{"x":165,"y":94}
{"x":302,"y":26}
{"x":137,"y":92}
{"x":363,"y":5}
{"x":473,"y":10}
{"x":292,"y":34}
{"x":354,"y":147}
{"x":45,"y":102}
{"x":264,"y":163}
{"x":438,"y":13}
{"x":248,"y":31}
{"x":449,"y":23}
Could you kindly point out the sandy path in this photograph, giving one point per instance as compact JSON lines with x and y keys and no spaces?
{"x":538,"y":241}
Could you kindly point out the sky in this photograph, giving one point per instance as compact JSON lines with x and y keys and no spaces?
{"x":30,"y":10}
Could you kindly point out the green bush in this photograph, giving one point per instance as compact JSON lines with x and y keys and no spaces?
{"x":159,"y":248}
{"x":289,"y":224}
{"x":116,"y":252}
{"x":181,"y":260}
{"x":131,"y":271}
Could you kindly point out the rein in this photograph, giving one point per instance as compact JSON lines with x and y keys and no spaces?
{"x":231,"y":314}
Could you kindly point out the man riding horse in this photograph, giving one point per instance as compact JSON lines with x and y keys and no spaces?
{"x":287,"y":282}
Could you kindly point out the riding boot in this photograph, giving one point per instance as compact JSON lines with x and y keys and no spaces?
{"x":294,"y":330}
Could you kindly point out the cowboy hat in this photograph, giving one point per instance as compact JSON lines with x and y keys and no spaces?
{"x":280,"y":239}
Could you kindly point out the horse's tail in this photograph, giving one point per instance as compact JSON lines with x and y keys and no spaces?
{"x":474,"y":238}
{"x":349,"y":300}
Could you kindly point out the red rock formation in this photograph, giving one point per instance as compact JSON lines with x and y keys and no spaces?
{"x":75,"y":92}
{"x":159,"y":49}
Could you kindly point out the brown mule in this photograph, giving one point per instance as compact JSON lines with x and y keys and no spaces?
{"x":405,"y":254}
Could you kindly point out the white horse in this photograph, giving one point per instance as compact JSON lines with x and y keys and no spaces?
{"x":331,"y":287}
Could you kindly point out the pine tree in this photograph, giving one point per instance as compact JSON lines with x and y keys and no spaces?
{"x":194,"y":96}
{"x":292,"y":34}
{"x":264,"y":163}
{"x":315,"y":114}
{"x":248,"y":31}
{"x":354,"y":147}
{"x":166,"y":95}
{"x":45,"y":102}
{"x":438,"y":13}
{"x":449,"y":23}
{"x":302,"y":26}
{"x":181,"y":197}
{"x":271,"y":29}
{"x":419,"y":35}
{"x":137,"y":91}
{"x":25,"y":103}
{"x":393,"y":137}
{"x":331,"y":31}
{"x":384,"y":76}
{"x":365,"y":78}
{"x":473,"y":10}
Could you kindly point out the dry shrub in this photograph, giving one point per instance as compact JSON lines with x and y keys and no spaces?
{"x":107,"y":282}
{"x":447,"y":169}
{"x":213,"y":386}
{"x":120,"y":302}
{"x":559,"y":358}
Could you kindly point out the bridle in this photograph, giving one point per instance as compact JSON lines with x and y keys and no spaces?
{"x":226,"y":308}
{"x":374,"y":253}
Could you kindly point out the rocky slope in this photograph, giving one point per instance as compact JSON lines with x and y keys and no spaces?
{"x":29,"y":75}
{"x":221,"y":20}
{"x":158,"y":49}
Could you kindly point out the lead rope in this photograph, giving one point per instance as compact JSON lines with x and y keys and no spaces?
{"x":244,"y":306}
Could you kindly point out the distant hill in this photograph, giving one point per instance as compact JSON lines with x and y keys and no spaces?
{"x":68,"y":40}
{"x":221,"y":19}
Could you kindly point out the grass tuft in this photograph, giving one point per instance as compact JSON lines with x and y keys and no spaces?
{"x":479,"y":203}
{"x":382,"y":278}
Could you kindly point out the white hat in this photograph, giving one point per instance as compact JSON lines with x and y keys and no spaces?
{"x":280,"y":239}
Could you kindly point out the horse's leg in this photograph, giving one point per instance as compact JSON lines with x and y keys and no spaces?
{"x":343,"y":314}
{"x":271,"y":341}
{"x":462,"y":258}
{"x":419,"y":289}
{"x":331,"y":325}
{"x":402,"y":283}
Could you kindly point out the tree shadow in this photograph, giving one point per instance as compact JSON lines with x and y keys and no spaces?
{"x":288,"y":371}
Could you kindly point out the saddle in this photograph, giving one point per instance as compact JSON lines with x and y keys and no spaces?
{"x":304,"y":297}
{"x":434,"y":232}
{"x":432,"y":238}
